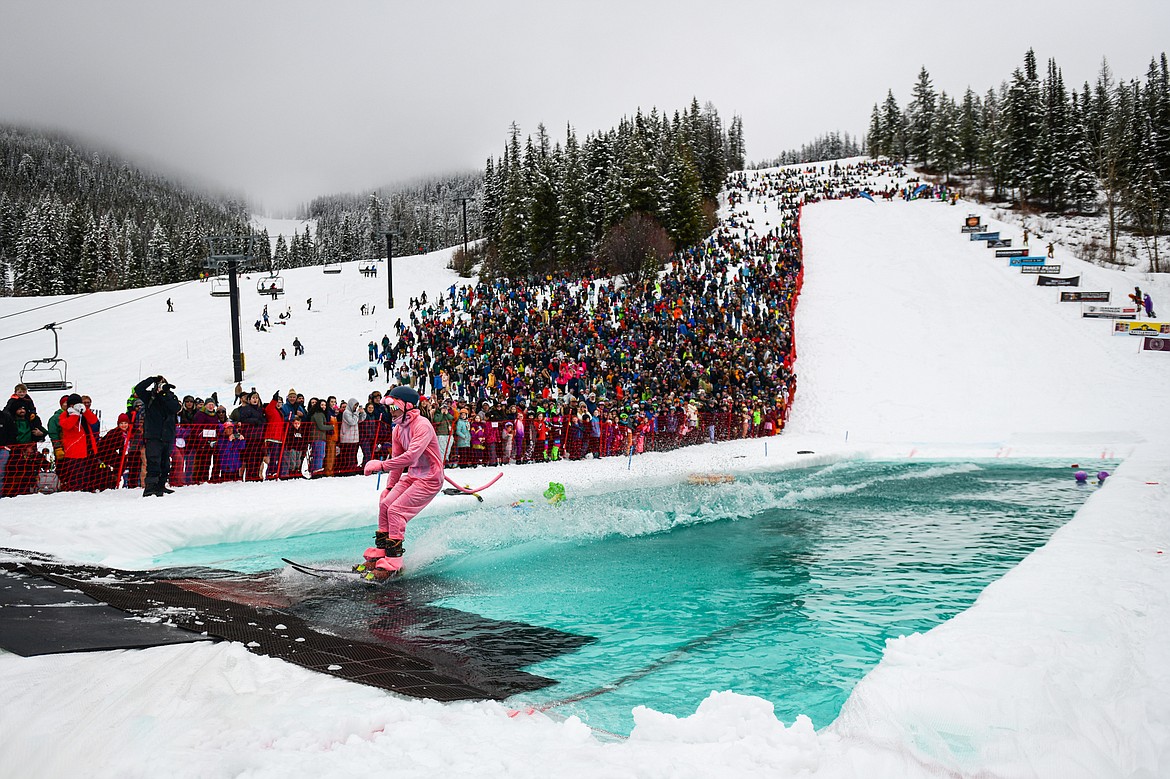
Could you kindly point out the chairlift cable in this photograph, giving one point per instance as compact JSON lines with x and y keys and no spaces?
{"x":100,"y":310}
{"x":46,"y":305}
{"x":26,"y":332}
{"x":127,"y":302}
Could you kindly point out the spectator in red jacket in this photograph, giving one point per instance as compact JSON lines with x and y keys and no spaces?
{"x":79,"y":445}
{"x":274,"y":433}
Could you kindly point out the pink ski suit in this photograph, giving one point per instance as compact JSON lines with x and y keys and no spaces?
{"x":415,"y":447}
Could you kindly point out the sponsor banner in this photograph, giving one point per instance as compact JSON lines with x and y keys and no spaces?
{"x":1055,"y":281}
{"x":1156,"y":345}
{"x":973,"y":220}
{"x":1040,"y":269}
{"x":1153,"y":329}
{"x":999,"y":243}
{"x":984,"y":237}
{"x":1017,"y":262}
{"x":1109,"y":312}
{"x":975,"y":229}
{"x":1011,"y":252}
{"x":1076,"y":297}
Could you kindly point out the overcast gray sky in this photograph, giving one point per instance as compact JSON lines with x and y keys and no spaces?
{"x":284,"y":100}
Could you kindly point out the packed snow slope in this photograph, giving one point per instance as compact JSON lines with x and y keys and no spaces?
{"x":910,"y":332}
{"x":912,"y":342}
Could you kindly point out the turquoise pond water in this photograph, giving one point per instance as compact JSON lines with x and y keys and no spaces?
{"x":784,"y":585}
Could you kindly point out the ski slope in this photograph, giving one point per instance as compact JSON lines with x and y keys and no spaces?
{"x":912,"y":342}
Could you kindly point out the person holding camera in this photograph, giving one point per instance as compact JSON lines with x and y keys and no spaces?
{"x":160,"y":411}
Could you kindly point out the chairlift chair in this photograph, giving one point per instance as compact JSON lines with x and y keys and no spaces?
{"x":220,"y":287}
{"x":48,"y":374}
{"x":332,"y":267}
{"x":271,"y":286}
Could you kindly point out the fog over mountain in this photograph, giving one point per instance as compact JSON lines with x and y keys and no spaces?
{"x":285,"y":101}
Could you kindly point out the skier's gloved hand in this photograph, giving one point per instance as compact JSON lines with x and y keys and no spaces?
{"x":77,"y":409}
{"x":372,"y":467}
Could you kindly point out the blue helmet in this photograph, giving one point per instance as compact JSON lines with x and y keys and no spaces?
{"x":405,"y":397}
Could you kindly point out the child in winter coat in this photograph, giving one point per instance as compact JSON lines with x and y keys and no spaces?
{"x":230,"y":453}
{"x":463,"y":439}
{"x":540,"y":436}
{"x":507,"y":439}
{"x":296,"y":442}
{"x":479,"y":439}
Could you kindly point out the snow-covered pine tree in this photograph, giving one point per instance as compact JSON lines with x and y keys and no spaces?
{"x":540,"y":176}
{"x":512,"y":247}
{"x":130,"y":255}
{"x":684,"y":218}
{"x":944,"y":138}
{"x":1082,"y":184}
{"x":158,"y":256}
{"x":992,"y":159}
{"x":969,"y":130}
{"x":893,"y":128}
{"x":1049,"y":169}
{"x":572,"y":238}
{"x":736,"y":148}
{"x":491,"y":203}
{"x":88,"y":260}
{"x":280,"y":254}
{"x":1021,"y":126}
{"x":921,"y":113}
{"x":72,"y":226}
{"x":262,"y":250}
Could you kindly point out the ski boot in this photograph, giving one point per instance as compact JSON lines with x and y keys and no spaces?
{"x":383,"y":560}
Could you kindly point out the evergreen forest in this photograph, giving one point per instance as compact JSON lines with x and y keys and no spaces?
{"x":1042,"y":145}
{"x":619,"y":201}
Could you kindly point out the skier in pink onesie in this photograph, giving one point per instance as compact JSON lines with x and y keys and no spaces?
{"x":415,"y":471}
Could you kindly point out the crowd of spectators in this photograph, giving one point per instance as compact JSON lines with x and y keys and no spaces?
{"x":511,"y":370}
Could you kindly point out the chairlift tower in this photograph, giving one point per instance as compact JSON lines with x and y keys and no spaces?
{"x":232,"y":253}
{"x":389,"y":269}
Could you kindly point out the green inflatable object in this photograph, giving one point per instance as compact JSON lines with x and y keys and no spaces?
{"x":555,"y":492}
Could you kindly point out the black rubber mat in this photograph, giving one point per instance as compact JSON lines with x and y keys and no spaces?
{"x":48,"y":630}
{"x":39,"y":617}
{"x":386,"y":641}
{"x":22,"y":590}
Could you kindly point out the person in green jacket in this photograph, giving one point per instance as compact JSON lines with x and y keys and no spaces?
{"x":443,"y":419}
{"x":54,"y":428}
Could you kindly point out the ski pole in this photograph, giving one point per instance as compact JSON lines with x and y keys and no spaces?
{"x":630,"y":462}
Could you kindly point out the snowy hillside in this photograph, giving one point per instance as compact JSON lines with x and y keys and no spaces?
{"x":109,"y":352}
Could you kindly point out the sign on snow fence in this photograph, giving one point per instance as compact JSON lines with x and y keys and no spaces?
{"x":1054,"y":281}
{"x":1076,"y":297}
{"x":1109,"y":312}
{"x":1142,"y":328}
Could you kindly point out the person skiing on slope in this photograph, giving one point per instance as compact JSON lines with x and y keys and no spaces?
{"x":415,"y":471}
